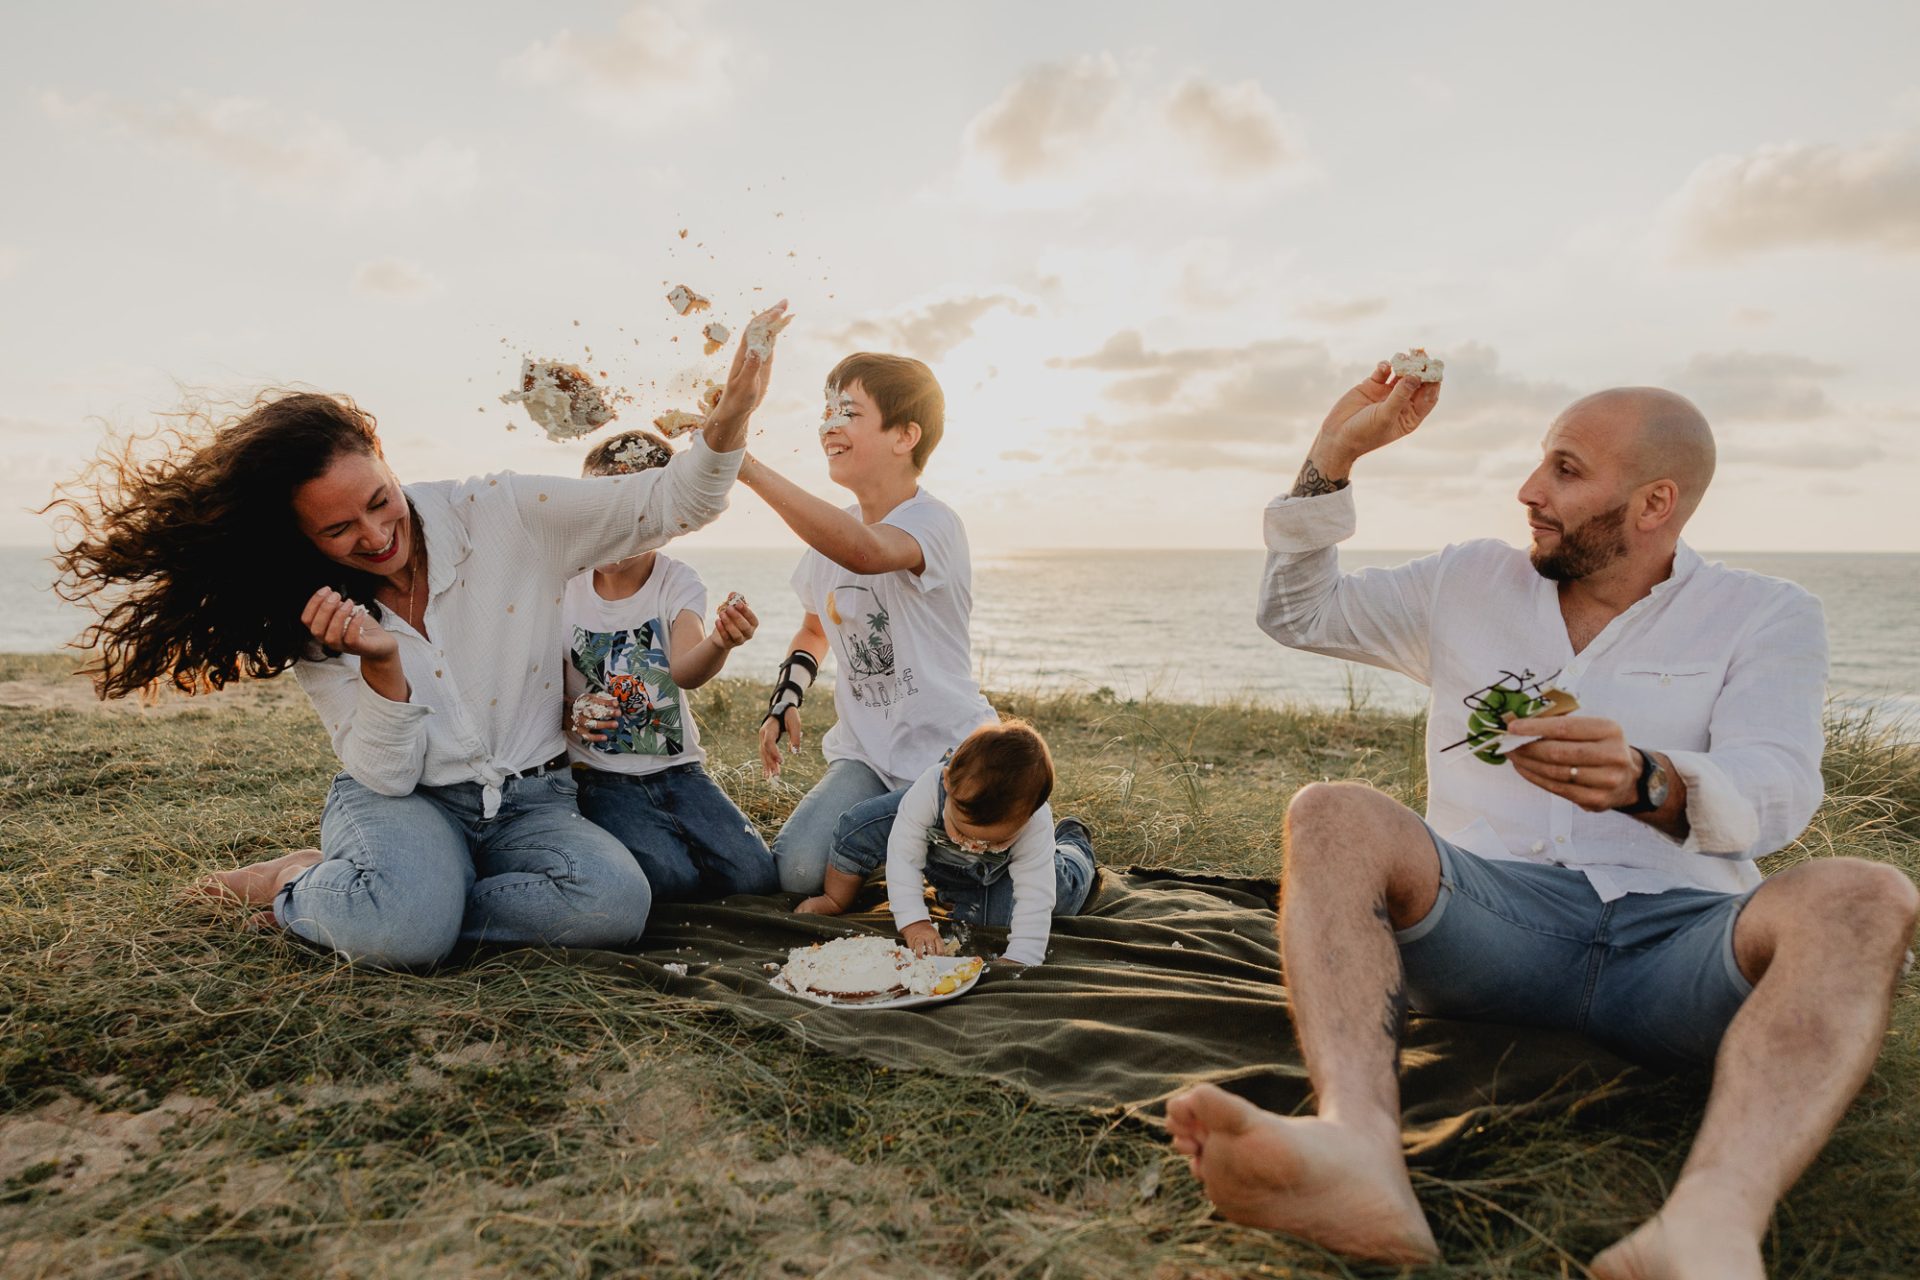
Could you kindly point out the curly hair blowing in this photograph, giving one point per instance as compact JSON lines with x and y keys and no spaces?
{"x":192,"y":559}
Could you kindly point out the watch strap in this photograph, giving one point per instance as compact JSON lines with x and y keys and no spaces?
{"x":1643,"y":801}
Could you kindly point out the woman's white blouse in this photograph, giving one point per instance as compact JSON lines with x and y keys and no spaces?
{"x":485,"y":690}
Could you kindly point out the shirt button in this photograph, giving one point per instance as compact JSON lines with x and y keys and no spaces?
{"x":1559,"y":839}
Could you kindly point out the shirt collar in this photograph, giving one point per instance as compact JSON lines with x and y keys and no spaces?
{"x":448,"y":543}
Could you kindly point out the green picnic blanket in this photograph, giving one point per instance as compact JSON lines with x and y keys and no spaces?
{"x":1167,"y":979}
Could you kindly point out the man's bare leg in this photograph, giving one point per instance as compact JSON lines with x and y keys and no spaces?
{"x":1358,"y":866}
{"x":258,"y":884}
{"x":1824,"y":942}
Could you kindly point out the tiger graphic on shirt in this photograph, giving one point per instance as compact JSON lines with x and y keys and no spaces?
{"x":632,"y":666}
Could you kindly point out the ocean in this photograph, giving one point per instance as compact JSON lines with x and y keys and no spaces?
{"x":1172,"y":624}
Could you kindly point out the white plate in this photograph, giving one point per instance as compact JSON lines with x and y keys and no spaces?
{"x":945,"y":964}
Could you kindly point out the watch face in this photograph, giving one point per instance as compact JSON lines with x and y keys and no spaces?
{"x":1657,"y":787}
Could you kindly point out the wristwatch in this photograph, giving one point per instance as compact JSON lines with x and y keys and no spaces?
{"x":1650,"y":792}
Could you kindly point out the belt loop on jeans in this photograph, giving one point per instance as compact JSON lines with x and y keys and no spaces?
{"x":548,"y":766}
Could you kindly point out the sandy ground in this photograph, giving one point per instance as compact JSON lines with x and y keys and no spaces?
{"x":75,"y":693}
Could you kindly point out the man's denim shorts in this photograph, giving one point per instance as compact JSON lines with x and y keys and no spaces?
{"x":1651,"y":976}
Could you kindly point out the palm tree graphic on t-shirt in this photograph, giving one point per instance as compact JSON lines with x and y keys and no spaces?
{"x":871,"y":654}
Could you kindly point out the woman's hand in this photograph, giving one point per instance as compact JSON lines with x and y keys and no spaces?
{"x":346,"y":627}
{"x":734,"y":623}
{"x":746,"y":386}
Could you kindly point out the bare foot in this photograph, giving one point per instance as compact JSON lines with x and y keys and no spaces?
{"x":256,"y":885}
{"x":1691,"y":1238}
{"x":1317,"y":1179}
{"x":820,"y":905}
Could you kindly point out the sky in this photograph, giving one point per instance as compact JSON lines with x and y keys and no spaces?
{"x":1144,"y":247}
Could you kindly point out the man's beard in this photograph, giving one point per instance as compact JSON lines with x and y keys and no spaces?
{"x":1596,"y":543}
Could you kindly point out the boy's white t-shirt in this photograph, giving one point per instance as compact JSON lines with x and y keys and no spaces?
{"x":904,"y":645}
{"x":623,"y":647}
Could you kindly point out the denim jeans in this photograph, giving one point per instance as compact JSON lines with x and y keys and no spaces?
{"x":1652,"y":976}
{"x":690,"y":839}
{"x":801,"y":848}
{"x":405,"y":877}
{"x":973,"y":890}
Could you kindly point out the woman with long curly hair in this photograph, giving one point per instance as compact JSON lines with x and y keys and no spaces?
{"x":424,"y":624}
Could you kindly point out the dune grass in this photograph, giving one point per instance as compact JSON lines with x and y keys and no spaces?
{"x":181,"y":1097}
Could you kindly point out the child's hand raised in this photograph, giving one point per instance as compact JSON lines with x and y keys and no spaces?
{"x":923,"y":939}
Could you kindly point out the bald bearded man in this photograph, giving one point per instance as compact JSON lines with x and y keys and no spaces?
{"x":1602,"y":879}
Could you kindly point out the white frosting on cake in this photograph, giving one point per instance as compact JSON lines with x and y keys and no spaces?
{"x":1418,"y":364}
{"x":863,"y":965}
{"x":564,"y":401}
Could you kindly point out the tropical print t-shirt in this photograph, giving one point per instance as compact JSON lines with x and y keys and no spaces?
{"x":903,"y":644}
{"x":622,"y":647}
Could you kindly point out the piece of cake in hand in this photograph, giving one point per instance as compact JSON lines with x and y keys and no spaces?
{"x":761,"y":332}
{"x":684,"y":300}
{"x":561,"y":399}
{"x":1418,"y":365}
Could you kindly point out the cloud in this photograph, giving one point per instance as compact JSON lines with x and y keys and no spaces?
{"x":1789,"y":195}
{"x":1237,"y":127}
{"x":645,"y":72}
{"x":394,"y":278}
{"x":1337,"y":311}
{"x":1064,"y":132}
{"x":931,"y":331}
{"x":1197,"y":408}
{"x":308,"y":161}
{"x":1757,"y":386}
{"x":1041,"y":118}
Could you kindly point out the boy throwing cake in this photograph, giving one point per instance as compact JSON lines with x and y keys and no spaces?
{"x":888,"y":584}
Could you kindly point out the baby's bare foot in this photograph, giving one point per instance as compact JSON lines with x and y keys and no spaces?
{"x":256,"y":885}
{"x":1312,"y":1178}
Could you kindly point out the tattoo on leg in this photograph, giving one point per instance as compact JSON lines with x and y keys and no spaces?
{"x":1311,"y":484}
{"x":1393,"y":1021}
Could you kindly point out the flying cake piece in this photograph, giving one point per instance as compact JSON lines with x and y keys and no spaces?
{"x":716,"y":335}
{"x":677,"y":422}
{"x":1417,"y":364}
{"x":561,"y":399}
{"x":684,"y":300}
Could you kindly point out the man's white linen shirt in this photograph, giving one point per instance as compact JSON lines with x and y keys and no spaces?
{"x":486,"y":689}
{"x":1722,"y":671}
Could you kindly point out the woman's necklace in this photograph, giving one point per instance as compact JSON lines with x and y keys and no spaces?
{"x":412,"y":596}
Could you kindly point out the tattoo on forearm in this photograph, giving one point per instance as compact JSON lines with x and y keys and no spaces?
{"x":1311,"y":484}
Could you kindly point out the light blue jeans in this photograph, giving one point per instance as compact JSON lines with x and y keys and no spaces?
{"x":406,"y":877}
{"x":801,"y":848}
